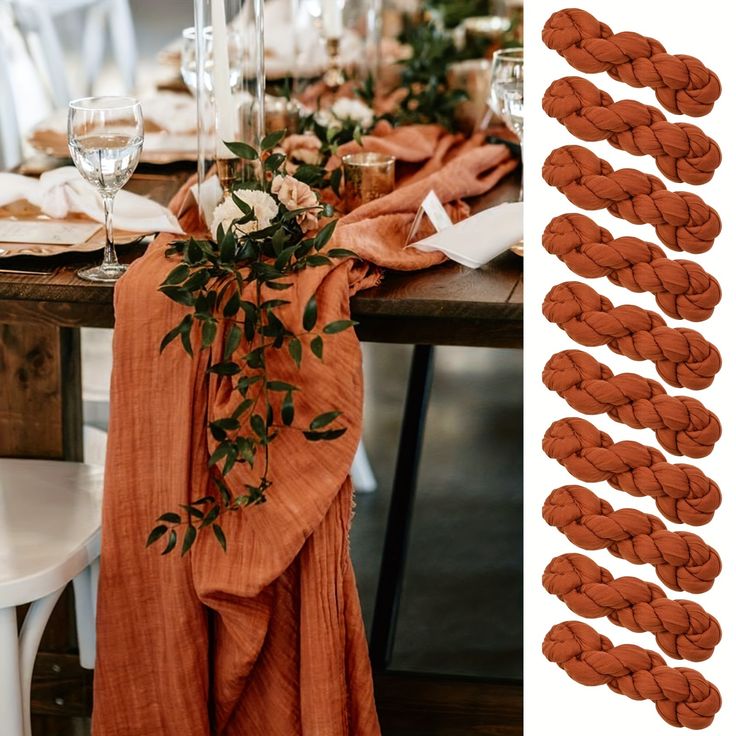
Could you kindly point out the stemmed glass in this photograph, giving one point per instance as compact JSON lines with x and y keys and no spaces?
{"x":189,"y":59}
{"x":507,"y":91}
{"x":105,"y":141}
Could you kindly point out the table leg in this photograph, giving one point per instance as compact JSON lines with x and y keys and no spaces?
{"x":41,"y":392}
{"x":396,"y":543}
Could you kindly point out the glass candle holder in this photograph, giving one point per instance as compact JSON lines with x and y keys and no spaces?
{"x":282,"y":114}
{"x":485,"y":32}
{"x":474,"y":77}
{"x":367,"y":176}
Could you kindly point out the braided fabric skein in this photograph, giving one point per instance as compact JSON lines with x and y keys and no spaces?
{"x":682,"y":220}
{"x":682,"y":560}
{"x":682,"y":151}
{"x":683,"y":630}
{"x":683,"y":697}
{"x":683,"y":84}
{"x":682,"y":356}
{"x":682,"y":289}
{"x":682,"y":424}
{"x":683,"y":493}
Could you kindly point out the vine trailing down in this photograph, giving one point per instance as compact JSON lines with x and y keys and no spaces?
{"x":235,"y":282}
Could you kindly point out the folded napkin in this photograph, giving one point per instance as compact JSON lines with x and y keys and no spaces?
{"x":479,"y":239}
{"x":60,"y":192}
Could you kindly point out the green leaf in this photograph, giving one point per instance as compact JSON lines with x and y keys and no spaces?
{"x":242,"y":407}
{"x":224,"y":492}
{"x":227,"y":368}
{"x":244,"y":207}
{"x":232,"y":456}
{"x":220,"y":536}
{"x":193,"y":252}
{"x":324,"y":419}
{"x":329,"y":434}
{"x":171,"y":543}
{"x":341,"y":253}
{"x":232,"y":340}
{"x":272,"y":140}
{"x":192,"y":510}
{"x":178,"y":294}
{"x":170,"y":336}
{"x":255,"y":359}
{"x":205,"y":499}
{"x":287,"y":409}
{"x":309,"y":174}
{"x":170,"y":518}
{"x":219,"y":453}
{"x":156,"y":534}
{"x":335,"y":181}
{"x":212,"y":514}
{"x":209,"y":331}
{"x":309,"y":319}
{"x":227,"y":423}
{"x":279,"y":285}
{"x":227,"y":245}
{"x":314,"y":261}
{"x":324,"y":235}
{"x":274,"y":162}
{"x":178,"y":274}
{"x":258,"y":425}
{"x":317,"y":347}
{"x":232,"y":305}
{"x":281,"y":386}
{"x":338,"y":326}
{"x":243,"y":150}
{"x":197,"y":280}
{"x":273,"y":303}
{"x":295,"y":350}
{"x":189,"y":536}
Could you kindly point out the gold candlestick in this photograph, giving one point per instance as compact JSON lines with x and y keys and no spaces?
{"x":368,"y":176}
{"x":334,"y":76}
{"x":229,"y":172}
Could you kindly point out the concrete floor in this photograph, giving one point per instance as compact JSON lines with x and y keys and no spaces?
{"x":462,"y":605}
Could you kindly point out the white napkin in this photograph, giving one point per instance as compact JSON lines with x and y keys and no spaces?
{"x":62,"y":191}
{"x":479,"y":239}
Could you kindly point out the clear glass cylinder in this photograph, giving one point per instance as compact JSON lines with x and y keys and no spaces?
{"x":230,"y":76}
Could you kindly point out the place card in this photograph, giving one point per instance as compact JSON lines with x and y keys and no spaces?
{"x":435,"y":212}
{"x":46,"y":232}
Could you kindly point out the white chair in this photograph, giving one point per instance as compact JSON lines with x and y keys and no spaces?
{"x":10,"y":149}
{"x":49,"y":537}
{"x":37,"y":17}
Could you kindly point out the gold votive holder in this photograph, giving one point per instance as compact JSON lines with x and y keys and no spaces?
{"x":474,"y":77}
{"x":367,"y":176}
{"x":230,"y":173}
{"x":281,"y":114}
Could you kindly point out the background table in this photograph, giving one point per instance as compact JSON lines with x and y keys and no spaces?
{"x":41,"y":416}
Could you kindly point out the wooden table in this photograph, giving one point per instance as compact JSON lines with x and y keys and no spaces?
{"x":41,"y":408}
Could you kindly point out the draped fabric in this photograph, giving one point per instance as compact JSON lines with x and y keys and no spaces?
{"x":268,"y":637}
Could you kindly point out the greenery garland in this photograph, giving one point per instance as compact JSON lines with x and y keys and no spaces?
{"x":211,"y":278}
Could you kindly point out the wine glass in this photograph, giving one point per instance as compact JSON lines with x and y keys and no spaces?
{"x":105,"y":141}
{"x":507,"y":91}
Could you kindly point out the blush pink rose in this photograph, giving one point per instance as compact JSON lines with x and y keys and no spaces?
{"x":296,"y":195}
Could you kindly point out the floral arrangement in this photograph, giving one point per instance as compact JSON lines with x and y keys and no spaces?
{"x":263,"y":235}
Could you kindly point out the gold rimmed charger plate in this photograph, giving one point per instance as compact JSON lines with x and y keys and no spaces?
{"x":23,"y":211}
{"x":54,"y":143}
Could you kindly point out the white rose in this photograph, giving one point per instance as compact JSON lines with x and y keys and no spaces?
{"x":346,"y":110}
{"x":264,"y":207}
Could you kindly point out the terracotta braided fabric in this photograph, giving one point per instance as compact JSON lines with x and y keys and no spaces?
{"x":682,"y":628}
{"x":682,"y":151}
{"x":683,"y":221}
{"x":683,"y":84}
{"x":682,"y":289}
{"x":682,"y":356}
{"x":682,"y":424}
{"x":683,"y":697}
{"x":682,"y":560}
{"x":683,"y":493}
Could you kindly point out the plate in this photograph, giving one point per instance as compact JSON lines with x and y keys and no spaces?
{"x":23,"y":211}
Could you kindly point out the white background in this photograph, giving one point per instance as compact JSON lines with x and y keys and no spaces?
{"x":555,"y":704}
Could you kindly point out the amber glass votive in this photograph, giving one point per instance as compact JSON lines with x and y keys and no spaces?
{"x":474,"y":77}
{"x":281,"y":114}
{"x":368,"y":176}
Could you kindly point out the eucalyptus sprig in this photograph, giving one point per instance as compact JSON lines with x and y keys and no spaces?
{"x":236,"y":285}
